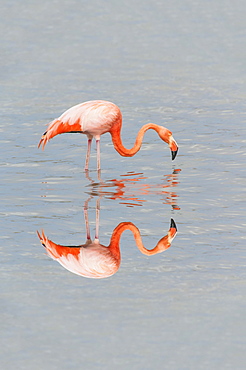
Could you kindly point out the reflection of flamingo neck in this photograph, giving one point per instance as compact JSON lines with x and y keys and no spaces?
{"x":115,"y":132}
{"x":161,"y":246}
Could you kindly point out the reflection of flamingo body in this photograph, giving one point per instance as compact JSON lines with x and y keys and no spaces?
{"x":95,"y":118}
{"x":94,"y":260}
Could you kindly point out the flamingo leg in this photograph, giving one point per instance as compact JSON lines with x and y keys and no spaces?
{"x":88,"y":154}
{"x":98,"y":154}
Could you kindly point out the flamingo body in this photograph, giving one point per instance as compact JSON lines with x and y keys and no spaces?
{"x":95,"y":118}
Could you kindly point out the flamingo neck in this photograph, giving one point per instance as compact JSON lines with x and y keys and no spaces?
{"x":116,"y":138}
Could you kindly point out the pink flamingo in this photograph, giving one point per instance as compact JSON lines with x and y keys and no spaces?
{"x":95,"y":118}
{"x":94,"y":260}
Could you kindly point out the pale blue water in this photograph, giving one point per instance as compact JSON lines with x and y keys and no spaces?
{"x":179,"y":64}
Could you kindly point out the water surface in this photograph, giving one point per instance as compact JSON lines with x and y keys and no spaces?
{"x":179,"y":64}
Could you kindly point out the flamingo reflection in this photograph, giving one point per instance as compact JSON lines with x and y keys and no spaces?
{"x":94,"y":260}
{"x":131,"y":188}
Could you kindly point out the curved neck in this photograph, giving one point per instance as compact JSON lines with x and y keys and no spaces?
{"x":116,"y":138}
{"x":161,"y":246}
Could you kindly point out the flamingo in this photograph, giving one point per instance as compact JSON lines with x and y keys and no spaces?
{"x":95,"y":118}
{"x":94,"y":260}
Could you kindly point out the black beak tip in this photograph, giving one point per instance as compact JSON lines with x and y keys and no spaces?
{"x":173,"y":225}
{"x":174,"y":153}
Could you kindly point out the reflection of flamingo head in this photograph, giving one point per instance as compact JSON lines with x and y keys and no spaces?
{"x":92,"y":260}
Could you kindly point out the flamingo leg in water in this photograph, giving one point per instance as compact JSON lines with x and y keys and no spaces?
{"x":98,"y":154}
{"x":88,"y":154}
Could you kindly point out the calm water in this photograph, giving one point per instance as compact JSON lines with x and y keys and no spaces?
{"x":180,"y":64}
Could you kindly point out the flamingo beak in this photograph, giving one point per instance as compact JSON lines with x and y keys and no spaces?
{"x":174,"y":153}
{"x":174,"y":147}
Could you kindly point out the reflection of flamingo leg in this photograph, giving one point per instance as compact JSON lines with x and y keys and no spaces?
{"x":87,"y":227}
{"x":97,"y":220}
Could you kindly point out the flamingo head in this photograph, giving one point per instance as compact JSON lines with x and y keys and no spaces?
{"x":167,"y":136}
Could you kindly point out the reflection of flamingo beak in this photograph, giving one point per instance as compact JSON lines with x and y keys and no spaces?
{"x":173,"y":225}
{"x":172,"y":231}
